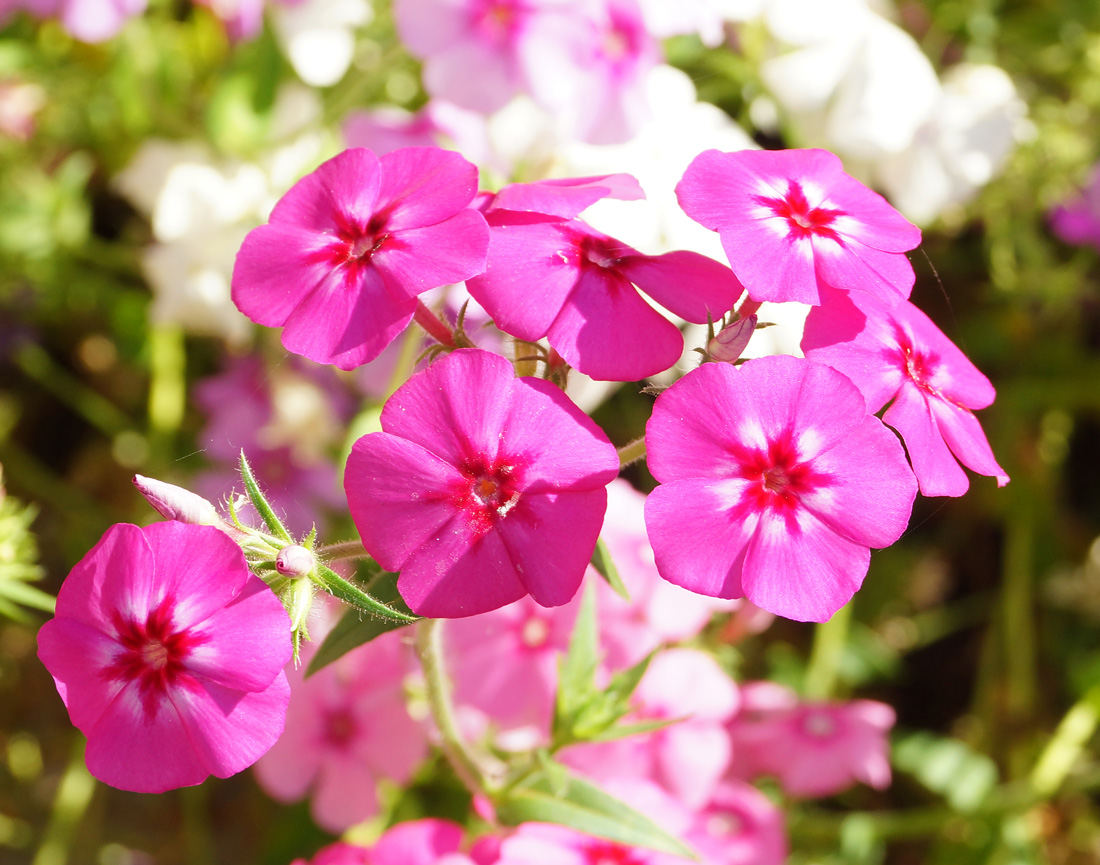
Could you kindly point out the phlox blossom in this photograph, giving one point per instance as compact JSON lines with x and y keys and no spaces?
{"x":739,"y":826}
{"x":556,"y":277}
{"x":169,"y":656}
{"x":813,"y":749}
{"x":792,"y":222}
{"x":419,"y":842}
{"x":86,"y":20}
{"x":481,"y":488}
{"x":350,"y":246}
{"x":775,"y":481}
{"x":1077,"y":219}
{"x":347,"y":727}
{"x":899,"y":356}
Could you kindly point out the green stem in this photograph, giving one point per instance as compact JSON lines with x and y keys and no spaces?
{"x":824,"y":668}
{"x":632,"y":452}
{"x":168,"y":383}
{"x":36,"y":363}
{"x":74,"y":794}
{"x":1065,"y":747}
{"x":478,"y":773}
{"x":343,"y":550}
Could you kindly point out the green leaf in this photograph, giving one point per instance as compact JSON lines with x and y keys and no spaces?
{"x":29,"y":596}
{"x":585,"y":807}
{"x":601,"y":561}
{"x":961,"y":775}
{"x":622,"y":731}
{"x":261,"y":504}
{"x":353,"y":630}
{"x":349,"y":593}
{"x":577,"y":670}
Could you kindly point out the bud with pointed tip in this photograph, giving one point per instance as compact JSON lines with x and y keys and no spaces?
{"x":176,"y":503}
{"x":732,"y":340}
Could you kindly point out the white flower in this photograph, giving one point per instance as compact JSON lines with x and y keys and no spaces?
{"x":318,"y":36}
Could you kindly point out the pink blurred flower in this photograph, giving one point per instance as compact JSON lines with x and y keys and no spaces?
{"x":739,"y":826}
{"x":169,"y":655}
{"x":243,"y":19}
{"x":482,"y":488}
{"x":775,"y":481}
{"x":1077,"y":220}
{"x":554,"y":277}
{"x":347,"y":727}
{"x":350,"y":246}
{"x":438,"y":124}
{"x":478,"y":54}
{"x":419,"y":842}
{"x":687,"y":758}
{"x":20,"y":101}
{"x":899,"y":355}
{"x":814,"y":749}
{"x":792,"y":222}
{"x":86,"y":20}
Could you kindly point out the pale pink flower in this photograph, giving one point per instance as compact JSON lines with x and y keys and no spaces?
{"x":739,"y":826}
{"x":556,"y":277}
{"x":687,"y":758}
{"x":481,"y":488}
{"x":775,"y":481}
{"x":813,"y":749}
{"x":429,"y":841}
{"x":438,"y":124}
{"x":1077,"y":220}
{"x":350,"y":247}
{"x":792,"y":222}
{"x":86,"y":20}
{"x":347,"y":728}
{"x":899,"y":356}
{"x":169,"y":656}
{"x":243,"y":19}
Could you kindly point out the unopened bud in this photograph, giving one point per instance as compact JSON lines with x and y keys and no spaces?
{"x":732,"y":340}
{"x":294,"y":561}
{"x":176,"y":503}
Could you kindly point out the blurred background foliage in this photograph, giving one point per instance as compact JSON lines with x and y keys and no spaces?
{"x":981,"y":627}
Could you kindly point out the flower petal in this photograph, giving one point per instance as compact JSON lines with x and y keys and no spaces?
{"x":345,"y":188}
{"x":424,"y":186}
{"x":687,"y":284}
{"x":415,"y":260}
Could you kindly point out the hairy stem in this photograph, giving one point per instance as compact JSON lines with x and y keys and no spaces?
{"x":632,"y":452}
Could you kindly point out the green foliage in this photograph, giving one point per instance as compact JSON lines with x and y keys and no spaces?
{"x":19,"y":562}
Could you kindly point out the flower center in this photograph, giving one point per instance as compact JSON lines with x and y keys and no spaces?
{"x":609,"y":853}
{"x":340,"y":728}
{"x":802,"y":219}
{"x":819,"y":725}
{"x":725,"y":825}
{"x":776,"y":480}
{"x":535,"y":633}
{"x":489,"y":491}
{"x":600,"y":252}
{"x":155,"y":654}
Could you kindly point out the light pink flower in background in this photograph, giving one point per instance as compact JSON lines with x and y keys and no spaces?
{"x":562,"y":198}
{"x":561,"y":279}
{"x":813,"y":749}
{"x":439,"y":124}
{"x":658,"y":611}
{"x":478,"y":54}
{"x":899,"y":356}
{"x":687,"y":758}
{"x":775,"y":481}
{"x":347,"y":728}
{"x":243,"y":19}
{"x":516,"y":694}
{"x":429,"y":841}
{"x":350,"y":246}
{"x":1077,"y":220}
{"x":792,"y":222}
{"x":169,"y":656}
{"x":86,"y":20}
{"x":739,"y":826}
{"x":481,"y":488}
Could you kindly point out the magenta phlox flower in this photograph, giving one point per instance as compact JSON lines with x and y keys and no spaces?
{"x":561,"y":279}
{"x":516,"y":695}
{"x":347,"y":727}
{"x":169,"y":656}
{"x":658,"y":611}
{"x":739,"y":826}
{"x":687,"y":758}
{"x":813,"y":749}
{"x":350,"y":246}
{"x":775,"y":481}
{"x":481,"y":488}
{"x":478,"y":54}
{"x":86,"y":20}
{"x":1077,"y":220}
{"x":562,"y":198}
{"x":792,"y":222}
{"x":899,"y":355}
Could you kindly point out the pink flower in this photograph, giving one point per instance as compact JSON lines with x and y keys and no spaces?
{"x":792,"y":222}
{"x":899,"y":354}
{"x":243,"y":19}
{"x":739,"y":826}
{"x":479,"y":53}
{"x":774,"y":483}
{"x":1077,"y":220}
{"x":482,"y":488}
{"x":815,"y":749}
{"x":169,"y":656}
{"x":438,"y":124}
{"x":86,"y":20}
{"x":687,"y":758}
{"x":347,"y":727}
{"x":350,"y":246}
{"x":419,"y":842}
{"x":558,"y":278}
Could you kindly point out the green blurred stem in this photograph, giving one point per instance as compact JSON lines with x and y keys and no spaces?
{"x":480,"y":773}
{"x":1018,"y":632}
{"x":406,"y":360}
{"x":36,"y":364}
{"x":912,"y":823}
{"x":525,"y":355}
{"x":1065,"y":747}
{"x":824,"y":668}
{"x":74,"y":794}
{"x":196,"y":822}
{"x":632,"y":452}
{"x":343,"y":550}
{"x":168,"y":380}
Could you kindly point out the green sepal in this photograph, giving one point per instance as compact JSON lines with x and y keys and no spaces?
{"x":351,"y":594}
{"x":353,"y":630}
{"x":256,"y":496}
{"x":570,"y":801}
{"x":605,"y":567}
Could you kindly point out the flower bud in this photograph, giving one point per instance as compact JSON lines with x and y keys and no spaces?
{"x":728,"y":344}
{"x":294,"y":561}
{"x":176,"y":503}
